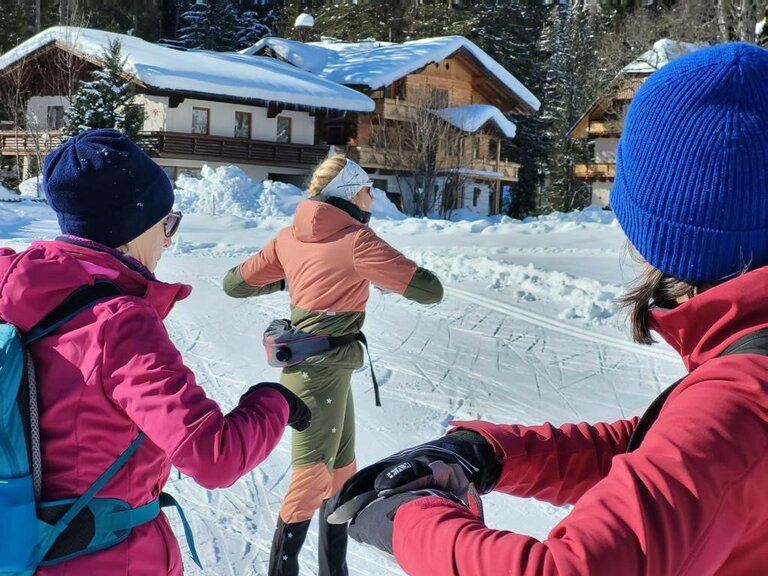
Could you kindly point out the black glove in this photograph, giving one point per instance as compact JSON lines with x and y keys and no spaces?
{"x":373,"y":525}
{"x":451,"y":463}
{"x":299,"y":415}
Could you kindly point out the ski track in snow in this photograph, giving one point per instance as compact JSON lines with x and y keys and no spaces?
{"x":472,"y":356}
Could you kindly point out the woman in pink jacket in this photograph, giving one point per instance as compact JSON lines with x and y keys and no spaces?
{"x":681,"y":491}
{"x":112,"y":371}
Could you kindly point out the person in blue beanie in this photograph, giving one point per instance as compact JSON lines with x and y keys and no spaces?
{"x":108,"y":377}
{"x":681,"y":490}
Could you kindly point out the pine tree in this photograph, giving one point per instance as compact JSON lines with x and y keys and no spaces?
{"x":569,"y":39}
{"x":508,"y":32}
{"x":210,"y":26}
{"x":252,"y":27}
{"x":107,"y":100}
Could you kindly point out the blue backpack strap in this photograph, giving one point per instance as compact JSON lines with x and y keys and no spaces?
{"x":52,"y":532}
{"x":81,"y":299}
{"x":167,"y":500}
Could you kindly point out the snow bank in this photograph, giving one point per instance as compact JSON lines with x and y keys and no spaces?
{"x":7,"y":195}
{"x":229,"y":190}
{"x":32,"y":187}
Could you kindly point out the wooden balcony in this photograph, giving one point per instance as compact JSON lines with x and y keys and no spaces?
{"x":374,"y":157}
{"x":180,"y":145}
{"x":505,"y":167}
{"x":396,"y":109}
{"x":605,"y":129}
{"x":594,"y":172}
{"x":23,"y":143}
{"x":234,"y":150}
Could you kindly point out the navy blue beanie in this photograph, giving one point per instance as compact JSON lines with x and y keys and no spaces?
{"x":103,"y":187}
{"x":691,"y":188}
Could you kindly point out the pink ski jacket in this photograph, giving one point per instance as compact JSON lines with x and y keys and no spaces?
{"x":692,"y":500}
{"x":111,"y":372}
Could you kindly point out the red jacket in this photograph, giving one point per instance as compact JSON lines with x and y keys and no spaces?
{"x":692,"y":500}
{"x":111,"y":372}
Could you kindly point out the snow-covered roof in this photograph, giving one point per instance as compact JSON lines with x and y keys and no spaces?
{"x":480,"y":173}
{"x":662,"y":53}
{"x":223,"y":74}
{"x":474,"y":116}
{"x":379,"y":64}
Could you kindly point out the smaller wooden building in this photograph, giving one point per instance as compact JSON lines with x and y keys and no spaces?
{"x":603,"y":122}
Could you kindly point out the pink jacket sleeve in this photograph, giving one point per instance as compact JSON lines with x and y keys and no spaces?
{"x":379,"y":263}
{"x":680,"y":504}
{"x":144,"y":374}
{"x":263,"y":267}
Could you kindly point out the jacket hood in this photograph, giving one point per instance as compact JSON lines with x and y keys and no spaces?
{"x":315,"y":221}
{"x":704,"y":326}
{"x":37,"y":280}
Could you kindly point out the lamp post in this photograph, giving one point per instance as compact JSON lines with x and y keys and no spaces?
{"x":303,"y":25}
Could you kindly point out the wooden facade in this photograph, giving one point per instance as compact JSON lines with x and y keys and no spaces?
{"x":459,"y":80}
{"x":602,"y":125}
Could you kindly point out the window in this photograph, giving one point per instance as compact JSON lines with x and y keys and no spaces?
{"x":283,"y":129}
{"x":55,"y":117}
{"x":200,"y":120}
{"x":170,"y":171}
{"x":492,"y":144}
{"x":438,"y":98}
{"x":191,"y":172}
{"x":475,"y":195}
{"x":243,"y":125}
{"x":380,"y":183}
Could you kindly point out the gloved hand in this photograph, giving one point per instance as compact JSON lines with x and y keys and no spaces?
{"x":451,"y":463}
{"x":299,"y":415}
{"x":374,"y":524}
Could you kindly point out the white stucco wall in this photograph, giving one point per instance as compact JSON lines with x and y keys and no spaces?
{"x":37,"y":110}
{"x":155,"y":108}
{"x":600,"y":193}
{"x":605,"y":150}
{"x":483,"y":200}
{"x":221,"y":117}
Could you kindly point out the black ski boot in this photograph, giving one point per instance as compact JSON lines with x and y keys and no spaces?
{"x":286,"y":545}
{"x":332,"y":547}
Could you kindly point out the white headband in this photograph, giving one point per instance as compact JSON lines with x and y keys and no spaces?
{"x":347,"y":183}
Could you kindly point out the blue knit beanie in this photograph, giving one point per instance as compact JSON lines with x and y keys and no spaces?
{"x":691,"y":188}
{"x":105,"y":188}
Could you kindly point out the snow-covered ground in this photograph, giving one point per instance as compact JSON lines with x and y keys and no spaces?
{"x":527,"y":332}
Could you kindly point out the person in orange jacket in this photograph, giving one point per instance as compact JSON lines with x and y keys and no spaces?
{"x":680,"y":491}
{"x":328,"y":258}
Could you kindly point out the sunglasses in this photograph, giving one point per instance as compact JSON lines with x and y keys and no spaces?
{"x":171,"y":223}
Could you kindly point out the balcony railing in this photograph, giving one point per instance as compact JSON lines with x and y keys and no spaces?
{"x":606,"y":129}
{"x":396,"y":109}
{"x":377,"y":157}
{"x":505,"y":167}
{"x":24,"y":143}
{"x":195,"y":146}
{"x":604,"y":171}
{"x":180,"y":145}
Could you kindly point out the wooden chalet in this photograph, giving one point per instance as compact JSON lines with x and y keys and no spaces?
{"x":450,"y":77}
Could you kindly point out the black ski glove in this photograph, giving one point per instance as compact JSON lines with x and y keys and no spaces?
{"x":374,"y":524}
{"x":299,"y":415}
{"x":450,"y":463}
